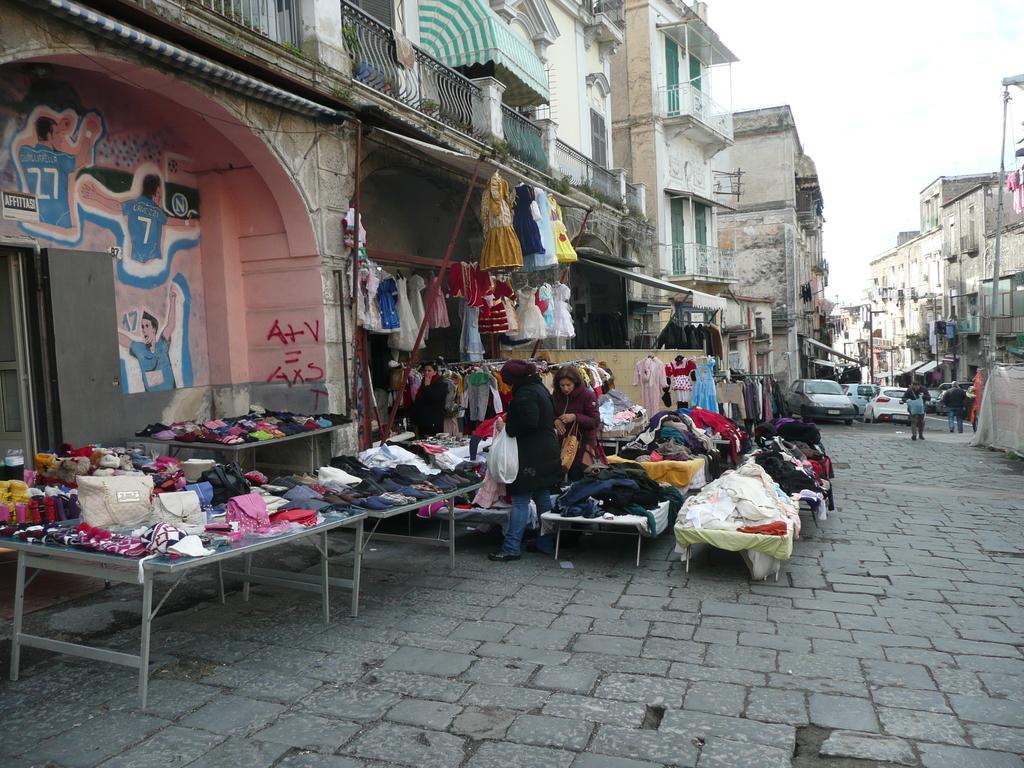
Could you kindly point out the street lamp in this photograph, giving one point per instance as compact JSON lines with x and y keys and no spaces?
{"x":1017,"y":81}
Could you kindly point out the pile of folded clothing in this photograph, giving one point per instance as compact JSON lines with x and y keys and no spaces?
{"x":622,"y":489}
{"x":254,"y":427}
{"x":745,"y":500}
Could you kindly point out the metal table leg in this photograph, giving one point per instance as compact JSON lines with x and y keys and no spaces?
{"x":638,"y":539}
{"x":558,"y":538}
{"x":687,"y":558}
{"x":220,"y":582}
{"x":357,"y":568}
{"x":147,"y":624}
{"x":245,"y":584}
{"x":325,"y":578}
{"x":19,"y":608}
{"x":451,"y":532}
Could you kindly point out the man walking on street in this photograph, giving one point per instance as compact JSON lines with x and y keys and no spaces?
{"x":915,"y":398}
{"x":954,"y":399}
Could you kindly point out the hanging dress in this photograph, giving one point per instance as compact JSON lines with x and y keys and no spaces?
{"x":437,"y":312}
{"x":564,"y":251}
{"x":415,"y":289}
{"x":549,"y":258}
{"x":704,"y":392}
{"x":501,"y":246}
{"x":369,"y":308}
{"x":471,"y":344}
{"x":524,"y":221}
{"x":531,"y":320}
{"x":561,"y":326}
{"x":387,"y":303}
{"x":546,"y":302}
{"x":404,"y":337}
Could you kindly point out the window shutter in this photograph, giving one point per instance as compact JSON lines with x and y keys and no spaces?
{"x":381,"y":10}
{"x":598,"y":139}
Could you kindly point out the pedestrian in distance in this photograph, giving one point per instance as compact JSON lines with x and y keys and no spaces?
{"x":955,"y":399}
{"x":530,"y":419}
{"x":915,"y":398}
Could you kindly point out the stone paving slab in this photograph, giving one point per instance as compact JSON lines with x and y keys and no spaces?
{"x":892,"y":636}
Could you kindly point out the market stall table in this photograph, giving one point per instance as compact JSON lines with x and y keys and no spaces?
{"x":111,"y":567}
{"x":751,"y":546}
{"x":631,"y":525}
{"x":245,"y":453}
{"x":407,"y":509}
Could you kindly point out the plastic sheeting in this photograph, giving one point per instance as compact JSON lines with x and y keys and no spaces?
{"x":1001,"y":416}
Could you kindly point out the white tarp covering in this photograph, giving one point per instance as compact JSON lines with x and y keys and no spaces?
{"x":1001,"y":416}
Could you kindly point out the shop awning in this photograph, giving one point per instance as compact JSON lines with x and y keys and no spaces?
{"x":465,"y":33}
{"x":700,"y":300}
{"x":911,"y":369}
{"x":928,"y":367}
{"x":825,"y":363}
{"x":827,"y":348}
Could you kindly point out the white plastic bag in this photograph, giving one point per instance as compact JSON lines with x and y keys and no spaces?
{"x":504,"y":458}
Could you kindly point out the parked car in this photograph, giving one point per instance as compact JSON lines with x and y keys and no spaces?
{"x":931,"y":406}
{"x":886,"y":406}
{"x":821,"y":400}
{"x":859,"y":395}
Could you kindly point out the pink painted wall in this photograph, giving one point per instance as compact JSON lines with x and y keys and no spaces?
{"x":247,"y":255}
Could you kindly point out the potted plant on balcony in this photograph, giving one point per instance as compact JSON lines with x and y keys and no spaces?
{"x":429,"y":107}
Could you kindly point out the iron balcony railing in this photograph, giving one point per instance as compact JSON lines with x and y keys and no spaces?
{"x":634,"y":198}
{"x":968,"y":243}
{"x":585,"y":174}
{"x":694,"y":260}
{"x":1005,"y":326}
{"x":525,"y":140}
{"x":684,"y":100}
{"x":277,"y":20}
{"x":429,"y":87}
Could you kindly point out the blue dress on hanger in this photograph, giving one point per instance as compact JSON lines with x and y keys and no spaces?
{"x":704,"y":393}
{"x":524,"y":224}
{"x":387,"y":302}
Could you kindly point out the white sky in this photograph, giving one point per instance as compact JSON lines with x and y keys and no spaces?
{"x":887,"y":96}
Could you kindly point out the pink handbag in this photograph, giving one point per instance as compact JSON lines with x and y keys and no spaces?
{"x":249,"y":511}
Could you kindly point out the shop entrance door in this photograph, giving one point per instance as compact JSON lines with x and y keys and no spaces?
{"x":14,"y":428}
{"x":85,"y":349}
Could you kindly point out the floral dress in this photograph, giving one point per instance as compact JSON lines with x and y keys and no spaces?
{"x":501,"y":245}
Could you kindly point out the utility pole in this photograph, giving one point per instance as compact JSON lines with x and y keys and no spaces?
{"x":871,"y":345}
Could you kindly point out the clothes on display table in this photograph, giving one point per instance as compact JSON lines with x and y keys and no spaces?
{"x":524,"y":221}
{"x":501,"y":249}
{"x":549,"y":256}
{"x":564,"y":251}
{"x":747,"y":496}
{"x":704,"y":393}
{"x":649,"y":375}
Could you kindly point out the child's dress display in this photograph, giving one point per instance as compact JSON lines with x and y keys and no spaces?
{"x":546,"y":302}
{"x":679,"y":379}
{"x":437,"y":312}
{"x":471,"y":344}
{"x":704,"y":393}
{"x":404,"y":338}
{"x":369,"y":309}
{"x":387,"y":301}
{"x":531,"y":320}
{"x":501,"y":245}
{"x":549,"y":256}
{"x":524,"y":221}
{"x":562,"y":326}
{"x":415,"y":288}
{"x":564,"y":251}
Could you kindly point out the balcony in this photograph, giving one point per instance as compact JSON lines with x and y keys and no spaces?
{"x":430,"y":87}
{"x":277,"y":20}
{"x":583,"y":173}
{"x":969,"y":243}
{"x":1005,"y":326}
{"x":967,"y":325}
{"x":707,"y":263}
{"x":708,"y":122}
{"x":525,"y":140}
{"x":635,"y":199}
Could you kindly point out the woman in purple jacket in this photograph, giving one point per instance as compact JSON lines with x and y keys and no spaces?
{"x":576,"y":403}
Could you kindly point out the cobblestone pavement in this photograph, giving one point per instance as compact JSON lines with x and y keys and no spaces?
{"x":893,"y":636}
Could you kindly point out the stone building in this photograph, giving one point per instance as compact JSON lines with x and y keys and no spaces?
{"x":775,"y":234}
{"x":193,"y":164}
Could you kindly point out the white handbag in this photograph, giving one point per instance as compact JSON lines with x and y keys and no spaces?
{"x":115,"y":501}
{"x":179,"y":508}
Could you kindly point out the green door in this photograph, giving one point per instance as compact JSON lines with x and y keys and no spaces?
{"x":678,"y":250}
{"x":700,"y":223}
{"x":672,"y":76}
{"x":695,"y":72}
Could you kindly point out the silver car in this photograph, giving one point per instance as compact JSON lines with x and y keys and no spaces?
{"x":821,"y":400}
{"x":860,"y":394}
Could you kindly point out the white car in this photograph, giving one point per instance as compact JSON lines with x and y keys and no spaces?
{"x":859,"y":395}
{"x":886,"y":406}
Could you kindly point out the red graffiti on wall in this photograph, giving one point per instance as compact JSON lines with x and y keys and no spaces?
{"x":293,"y":369}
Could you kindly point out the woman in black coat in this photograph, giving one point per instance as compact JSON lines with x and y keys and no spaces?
{"x":428,"y":407}
{"x":530,"y":420}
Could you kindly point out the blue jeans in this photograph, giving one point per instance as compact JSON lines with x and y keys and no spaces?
{"x":958,"y":413}
{"x":519,"y":516}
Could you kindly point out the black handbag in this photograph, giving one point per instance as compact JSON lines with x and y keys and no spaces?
{"x":228,"y":481}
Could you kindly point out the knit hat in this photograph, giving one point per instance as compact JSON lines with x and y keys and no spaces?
{"x":514,"y":372}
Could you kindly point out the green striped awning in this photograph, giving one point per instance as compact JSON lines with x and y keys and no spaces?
{"x":464,"y":33}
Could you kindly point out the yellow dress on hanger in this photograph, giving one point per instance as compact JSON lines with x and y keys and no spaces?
{"x":564,"y":251}
{"x":501,"y":246}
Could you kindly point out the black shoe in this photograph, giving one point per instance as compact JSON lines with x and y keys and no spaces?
{"x":502,"y":557}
